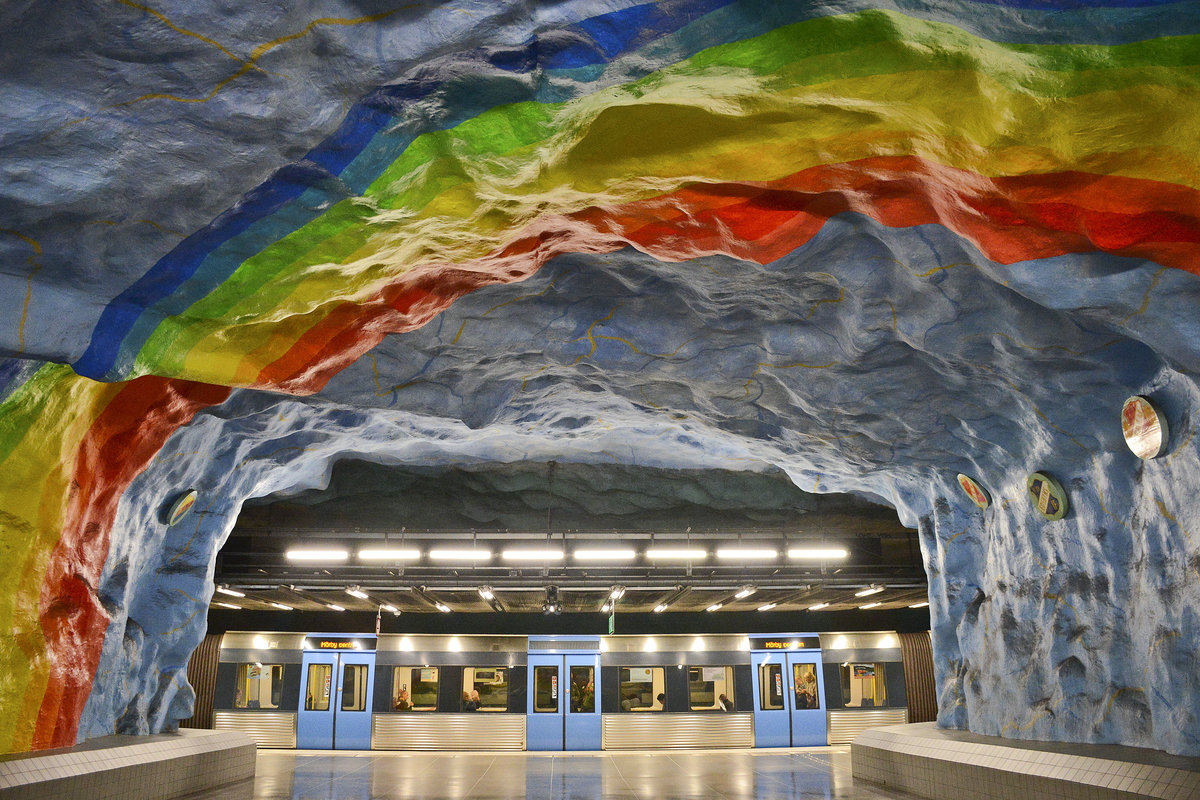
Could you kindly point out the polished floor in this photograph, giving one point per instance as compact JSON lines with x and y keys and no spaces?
{"x":708,"y":775}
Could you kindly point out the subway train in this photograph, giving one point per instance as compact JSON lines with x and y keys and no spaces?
{"x":470,"y":692}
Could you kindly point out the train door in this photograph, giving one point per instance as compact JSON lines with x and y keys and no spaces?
{"x":335,"y":691}
{"x":564,"y":697}
{"x":772,"y":716}
{"x":805,"y":681}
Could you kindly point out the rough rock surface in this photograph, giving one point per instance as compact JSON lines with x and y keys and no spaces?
{"x":870,"y":248}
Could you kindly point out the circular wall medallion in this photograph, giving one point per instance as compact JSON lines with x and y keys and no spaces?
{"x":1047,"y":496}
{"x":1145,"y":428}
{"x":977,"y":493}
{"x":182,"y":505}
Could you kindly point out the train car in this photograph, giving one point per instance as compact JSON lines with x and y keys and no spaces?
{"x":555,"y":693}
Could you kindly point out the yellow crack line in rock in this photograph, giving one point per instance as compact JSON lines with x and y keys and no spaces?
{"x":960,"y":533}
{"x":1031,"y":348}
{"x":935,"y":270}
{"x":641,"y":352}
{"x":1182,"y":446}
{"x":264,"y":456}
{"x":37,"y":265}
{"x":525,"y":379}
{"x":591,"y":337}
{"x":1146,"y":297}
{"x":201,"y":606}
{"x":1060,"y":601}
{"x":162,"y":18}
{"x":199,"y":516}
{"x":501,"y":305}
{"x":1115,"y":695}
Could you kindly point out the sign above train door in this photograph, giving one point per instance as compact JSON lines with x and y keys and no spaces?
{"x":784,"y":643}
{"x":354,"y":644}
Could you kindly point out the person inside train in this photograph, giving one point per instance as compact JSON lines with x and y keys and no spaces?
{"x":402,"y":702}
{"x":470,"y":701}
{"x":725,"y":702}
{"x":476,"y":699}
{"x":662,"y":701}
{"x":629,"y":702}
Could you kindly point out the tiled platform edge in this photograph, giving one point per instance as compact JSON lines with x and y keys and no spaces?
{"x":927,"y":761}
{"x":159,"y":767}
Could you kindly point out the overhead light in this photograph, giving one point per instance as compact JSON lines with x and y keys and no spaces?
{"x":407,"y":554}
{"x":442,"y":607}
{"x":746,"y":592}
{"x":460,"y":555}
{"x":661,"y":607}
{"x":282,"y":607}
{"x":767,"y":607}
{"x":228,"y":605}
{"x":533,"y":555}
{"x":746,"y":554}
{"x":714,"y":607}
{"x":354,"y":591}
{"x":617,"y":592}
{"x":607,"y":607}
{"x":230,"y":592}
{"x":334,"y":607}
{"x":390,"y":608}
{"x":676,"y":554}
{"x":816,"y":553}
{"x":604,"y":555}
{"x":818,"y":606}
{"x":919,"y":605}
{"x":486,"y":593}
{"x":871,"y":605}
{"x":870,"y":590}
{"x":317,"y":555}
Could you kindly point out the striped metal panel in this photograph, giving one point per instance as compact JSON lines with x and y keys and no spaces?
{"x":266,"y":728}
{"x":478,"y":731}
{"x":845,"y":724}
{"x":569,"y":644}
{"x":919,"y":683}
{"x":676,"y":731}
{"x":202,"y":675}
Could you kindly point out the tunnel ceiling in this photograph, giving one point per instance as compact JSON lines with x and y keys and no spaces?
{"x":680,"y":249}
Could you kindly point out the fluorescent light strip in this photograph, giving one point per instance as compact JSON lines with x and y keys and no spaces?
{"x":445,"y":609}
{"x":676,"y":554}
{"x":532,"y":555}
{"x":460,"y":555}
{"x":228,"y":605}
{"x":486,"y":593}
{"x":389,"y":555}
{"x":749,"y":590}
{"x":871,"y":605}
{"x":604,"y":555}
{"x":741,"y":554}
{"x":767,"y":607}
{"x":317,"y":555}
{"x":715,"y":607}
{"x":818,"y":606}
{"x":870,"y":590}
{"x":392,"y":609}
{"x":334,"y":607}
{"x":919,"y":605}
{"x":282,"y":607}
{"x":661,"y":607}
{"x":361,"y":595}
{"x":229,"y":592}
{"x":816,"y":553}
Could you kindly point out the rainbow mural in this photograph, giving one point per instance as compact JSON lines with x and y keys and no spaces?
{"x":1035,"y":132}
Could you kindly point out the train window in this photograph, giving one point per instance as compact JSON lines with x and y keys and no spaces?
{"x":320,"y":676}
{"x":643,"y":688}
{"x":804,"y":678}
{"x":414,"y":688}
{"x":706,"y":685}
{"x":863,"y":686}
{"x":583,"y":690}
{"x":354,"y":687}
{"x":545,"y":689}
{"x":770,"y":685}
{"x":258,"y":685}
{"x":492,"y":685}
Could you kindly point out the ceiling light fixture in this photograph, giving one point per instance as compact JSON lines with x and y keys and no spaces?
{"x":442,"y":607}
{"x":354,"y":591}
{"x":920,"y":605}
{"x":228,"y":605}
{"x":604,"y":555}
{"x":282,"y":607}
{"x":745,"y":592}
{"x":230,"y":592}
{"x":715,"y":607}
{"x":317,"y":555}
{"x":607,"y":607}
{"x":746,"y":554}
{"x":661,"y":607}
{"x":390,"y":608}
{"x":486,"y":593}
{"x":818,"y":606}
{"x":874,"y":588}
{"x":871,"y":605}
{"x":389,"y":554}
{"x":334,"y":607}
{"x":767,"y":607}
{"x":676,"y":554}
{"x":533,"y":555}
{"x":452,"y":554}
{"x":617,"y":593}
{"x":816,"y":553}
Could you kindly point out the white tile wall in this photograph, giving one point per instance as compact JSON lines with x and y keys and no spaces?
{"x":924,"y":760}
{"x":158,"y":767}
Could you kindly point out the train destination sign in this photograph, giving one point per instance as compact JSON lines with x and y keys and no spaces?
{"x":354,"y":643}
{"x":784,"y":643}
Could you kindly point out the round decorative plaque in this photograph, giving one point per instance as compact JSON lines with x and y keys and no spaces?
{"x":182,"y":505}
{"x":1047,"y":496}
{"x":977,"y":493}
{"x":1145,"y":428}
